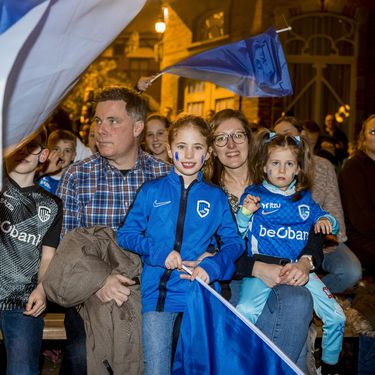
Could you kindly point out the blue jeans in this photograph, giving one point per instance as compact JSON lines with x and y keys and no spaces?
{"x":254,"y":295}
{"x":22,"y":340}
{"x":285,"y":320}
{"x":235,"y":291}
{"x":74,"y":359}
{"x":157,"y":337}
{"x":343,"y":267}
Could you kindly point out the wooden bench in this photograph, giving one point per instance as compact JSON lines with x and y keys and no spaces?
{"x":53,"y":327}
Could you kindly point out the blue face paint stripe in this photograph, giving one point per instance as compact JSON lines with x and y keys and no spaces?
{"x":202,"y":159}
{"x":176,"y":155}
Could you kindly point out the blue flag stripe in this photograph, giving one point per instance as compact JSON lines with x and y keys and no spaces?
{"x":255,"y":329}
{"x":216,"y":339}
{"x":13,"y":10}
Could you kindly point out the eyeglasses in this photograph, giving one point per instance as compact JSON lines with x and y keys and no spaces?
{"x":34,"y":148}
{"x":222,"y":139}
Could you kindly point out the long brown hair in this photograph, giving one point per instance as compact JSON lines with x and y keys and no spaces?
{"x":266,"y":141}
{"x":214,"y":168}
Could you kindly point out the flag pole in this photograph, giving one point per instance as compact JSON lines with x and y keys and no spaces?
{"x":285,"y":29}
{"x":248,"y":323}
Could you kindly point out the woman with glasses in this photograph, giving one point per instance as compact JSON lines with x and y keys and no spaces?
{"x":356,"y":182}
{"x":288,"y":311}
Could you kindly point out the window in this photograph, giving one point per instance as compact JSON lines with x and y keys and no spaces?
{"x":210,"y":26}
{"x":195,"y":86}
{"x":195,"y":108}
{"x":224,"y":103}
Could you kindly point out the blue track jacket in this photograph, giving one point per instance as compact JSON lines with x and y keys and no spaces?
{"x":164,"y":217}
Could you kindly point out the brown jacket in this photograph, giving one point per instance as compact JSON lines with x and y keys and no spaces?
{"x":83,"y":260}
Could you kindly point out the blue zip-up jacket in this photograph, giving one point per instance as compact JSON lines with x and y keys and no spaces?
{"x":164,"y":217}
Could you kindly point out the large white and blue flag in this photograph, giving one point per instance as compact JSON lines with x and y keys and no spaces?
{"x":44,"y":46}
{"x":253,"y":67}
{"x":216,"y":339}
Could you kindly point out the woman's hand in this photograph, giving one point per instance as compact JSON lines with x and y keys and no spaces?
{"x":268,"y":273}
{"x":296,"y":274}
{"x":324,"y":226}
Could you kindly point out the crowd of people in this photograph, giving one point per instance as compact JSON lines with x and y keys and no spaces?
{"x":171,"y":192}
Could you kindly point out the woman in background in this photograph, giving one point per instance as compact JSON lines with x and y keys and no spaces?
{"x":156,"y":133}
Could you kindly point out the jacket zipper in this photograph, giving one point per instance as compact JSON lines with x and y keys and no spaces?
{"x":177,"y":244}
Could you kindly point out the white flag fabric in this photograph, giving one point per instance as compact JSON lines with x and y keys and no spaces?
{"x":46,"y":50}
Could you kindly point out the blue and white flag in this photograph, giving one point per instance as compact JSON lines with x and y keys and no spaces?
{"x":216,"y":339}
{"x":253,"y":67}
{"x":44,"y":46}
{"x":13,"y":35}
{"x":56,"y":41}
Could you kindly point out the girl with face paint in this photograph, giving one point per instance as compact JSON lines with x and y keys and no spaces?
{"x":276,"y":215}
{"x":172,"y":222}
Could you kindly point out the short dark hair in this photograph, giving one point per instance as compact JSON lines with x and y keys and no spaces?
{"x":311,"y":126}
{"x":135,"y":104}
{"x":41,"y":137}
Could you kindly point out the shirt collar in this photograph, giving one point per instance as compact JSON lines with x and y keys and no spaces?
{"x":139,"y":163}
{"x":274,"y":189}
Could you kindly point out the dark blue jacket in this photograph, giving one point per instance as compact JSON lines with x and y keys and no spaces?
{"x":164,"y":217}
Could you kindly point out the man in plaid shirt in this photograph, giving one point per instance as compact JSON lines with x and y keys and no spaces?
{"x":99,"y":191}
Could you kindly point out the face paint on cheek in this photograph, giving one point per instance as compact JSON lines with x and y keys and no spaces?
{"x":269,"y":173}
{"x":202,"y":159}
{"x":176,"y":155}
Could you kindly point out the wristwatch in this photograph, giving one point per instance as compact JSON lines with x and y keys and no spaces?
{"x":311,"y":260}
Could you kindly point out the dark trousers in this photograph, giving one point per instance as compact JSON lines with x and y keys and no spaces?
{"x":366,"y":357}
{"x":74,"y":360}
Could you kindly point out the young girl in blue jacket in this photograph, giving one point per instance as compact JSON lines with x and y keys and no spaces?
{"x":276,"y":214}
{"x":175,"y":219}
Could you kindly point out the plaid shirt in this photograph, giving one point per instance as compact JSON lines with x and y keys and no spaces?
{"x":96,"y":193}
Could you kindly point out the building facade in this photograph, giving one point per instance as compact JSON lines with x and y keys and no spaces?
{"x":328,"y":52}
